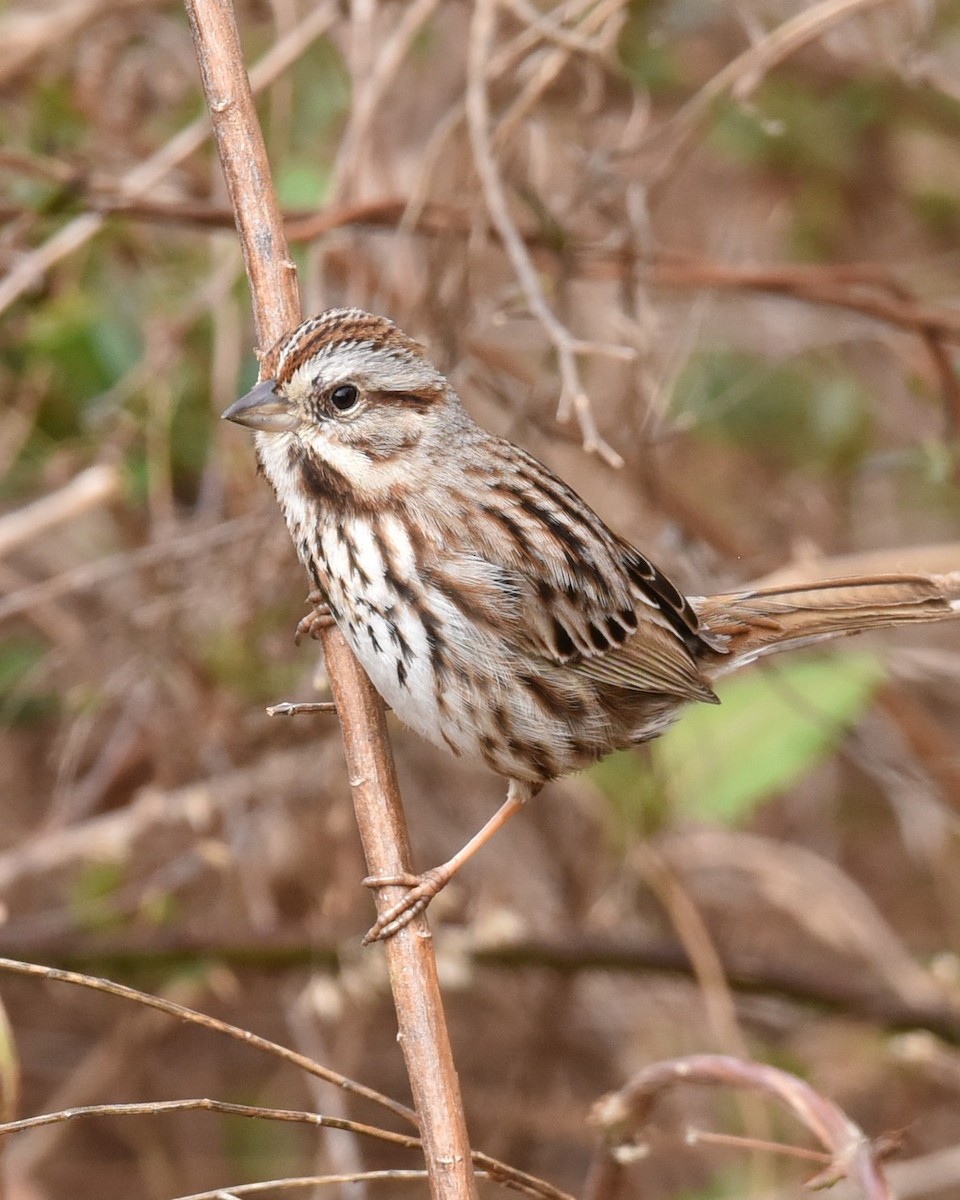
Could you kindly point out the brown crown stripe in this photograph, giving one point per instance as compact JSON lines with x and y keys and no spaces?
{"x":340,"y":327}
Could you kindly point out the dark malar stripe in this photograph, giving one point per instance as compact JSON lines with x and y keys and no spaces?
{"x":325,"y":484}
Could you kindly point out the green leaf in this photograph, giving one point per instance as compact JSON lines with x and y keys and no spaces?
{"x":636,"y":799}
{"x":93,"y":896}
{"x":21,"y":660}
{"x":810,"y":411}
{"x":771,"y":728}
{"x":303,"y":185}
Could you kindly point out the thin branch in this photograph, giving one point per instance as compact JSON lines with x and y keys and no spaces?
{"x":556,"y":60}
{"x":151,"y":1108}
{"x":855,"y":995}
{"x":500,"y":1171}
{"x":550,"y":27}
{"x":744,"y":74}
{"x":91,"y":488}
{"x":191,"y":1016}
{"x":621,"y":1113}
{"x":573,"y":396}
{"x":863,"y":288}
{"x":697,"y":1137}
{"x":302,"y":1181}
{"x":90,"y":574}
{"x":142,"y":179}
{"x":376,"y":81}
{"x":376,"y":796}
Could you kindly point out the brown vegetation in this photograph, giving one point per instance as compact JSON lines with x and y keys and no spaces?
{"x":723,"y":240}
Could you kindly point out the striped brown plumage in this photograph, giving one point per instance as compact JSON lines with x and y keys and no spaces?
{"x":493,"y":610}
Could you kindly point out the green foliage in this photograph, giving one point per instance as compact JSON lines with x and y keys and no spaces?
{"x":727,"y":1183}
{"x":939,"y":212}
{"x":804,"y":412}
{"x":259,"y":1148}
{"x":637,"y":802}
{"x":772,"y":728}
{"x":720,"y":763}
{"x":322,"y":87}
{"x":798,"y":130}
{"x":56,"y":126}
{"x":20,"y":657}
{"x":647,"y":58}
{"x":159,"y":908}
{"x":92,"y":896}
{"x":237,"y":659}
{"x":10,"y":1072}
{"x":925,"y":477}
{"x":85,"y":343}
{"x":302,"y":185}
{"x":821,"y":140}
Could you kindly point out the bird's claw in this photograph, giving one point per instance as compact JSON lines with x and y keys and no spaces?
{"x":398,"y":916}
{"x":314,"y":623}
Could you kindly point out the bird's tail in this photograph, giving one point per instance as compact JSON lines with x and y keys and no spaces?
{"x":754,"y":623}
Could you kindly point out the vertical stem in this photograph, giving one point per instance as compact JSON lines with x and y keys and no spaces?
{"x":376,"y":797}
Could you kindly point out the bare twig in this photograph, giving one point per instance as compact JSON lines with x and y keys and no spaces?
{"x":181,"y":1013}
{"x":859,"y":994}
{"x":423,"y":1033}
{"x":494,"y":1168}
{"x":376,"y":80}
{"x":869,"y":290}
{"x":293,"y":1183}
{"x":573,"y":397}
{"x":744,"y":74}
{"x":43,"y":26}
{"x":90,"y":574}
{"x":152,"y":1108}
{"x":92,"y":487}
{"x":851,"y":1155}
{"x":568,"y":41}
{"x":32,"y":267}
{"x":286,"y":708}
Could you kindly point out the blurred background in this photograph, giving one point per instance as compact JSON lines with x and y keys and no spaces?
{"x":752,"y":210}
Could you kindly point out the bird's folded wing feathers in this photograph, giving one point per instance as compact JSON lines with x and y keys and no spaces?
{"x":603,"y":632}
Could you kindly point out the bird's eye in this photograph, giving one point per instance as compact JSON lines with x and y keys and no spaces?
{"x":344,"y":397}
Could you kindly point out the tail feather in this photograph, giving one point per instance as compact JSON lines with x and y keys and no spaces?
{"x":762,"y":621}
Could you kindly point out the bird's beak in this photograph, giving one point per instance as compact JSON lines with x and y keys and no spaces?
{"x":261,"y":408}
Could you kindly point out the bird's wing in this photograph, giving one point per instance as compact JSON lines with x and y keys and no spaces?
{"x":564,"y":588}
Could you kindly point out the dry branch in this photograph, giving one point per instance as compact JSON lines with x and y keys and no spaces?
{"x":573,"y":397}
{"x":142,"y":179}
{"x":501,"y":1172}
{"x":92,"y":487}
{"x":376,"y":797}
{"x":623,"y":1112}
{"x":743,"y":75}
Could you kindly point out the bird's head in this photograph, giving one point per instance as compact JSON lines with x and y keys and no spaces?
{"x":350,"y":400}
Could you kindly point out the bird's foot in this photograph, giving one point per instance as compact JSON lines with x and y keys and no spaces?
{"x":423,"y":888}
{"x":314,"y":623}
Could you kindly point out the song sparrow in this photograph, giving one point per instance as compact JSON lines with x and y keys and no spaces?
{"x":491,"y":607}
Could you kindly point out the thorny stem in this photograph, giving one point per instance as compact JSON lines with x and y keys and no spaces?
{"x":376,"y":797}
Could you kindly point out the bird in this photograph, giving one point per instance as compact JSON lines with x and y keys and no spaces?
{"x":493,"y":610}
